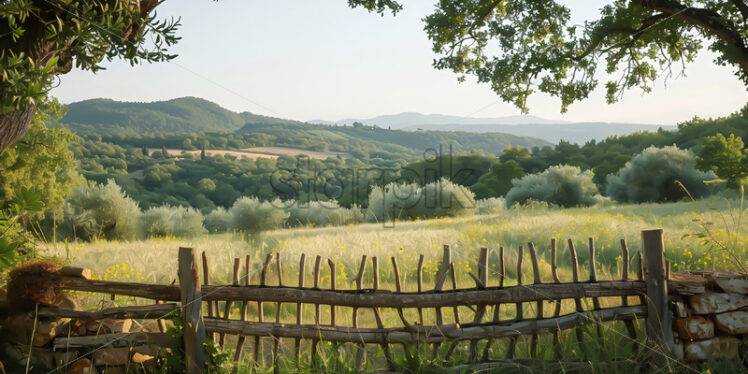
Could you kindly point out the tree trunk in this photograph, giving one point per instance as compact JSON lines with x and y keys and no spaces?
{"x":13,"y":125}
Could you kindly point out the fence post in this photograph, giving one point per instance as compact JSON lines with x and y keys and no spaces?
{"x":192,"y":312}
{"x":659,"y":318}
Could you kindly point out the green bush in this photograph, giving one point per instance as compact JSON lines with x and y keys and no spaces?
{"x":651,"y":177}
{"x":561,"y":185}
{"x":490,"y":206}
{"x":401,"y":201}
{"x":101,"y":211}
{"x":250,"y":215}
{"x":168,"y":221}
{"x":218,"y":221}
{"x":322,"y":213}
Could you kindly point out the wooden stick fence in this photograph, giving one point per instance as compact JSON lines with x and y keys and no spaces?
{"x":652,"y":292}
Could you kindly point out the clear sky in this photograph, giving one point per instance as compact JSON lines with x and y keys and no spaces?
{"x":319,"y":59}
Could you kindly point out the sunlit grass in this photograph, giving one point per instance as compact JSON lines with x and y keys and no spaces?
{"x":155,"y":261}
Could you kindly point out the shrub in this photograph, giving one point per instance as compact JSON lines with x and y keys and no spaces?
{"x":409,"y":201}
{"x":101,"y":211}
{"x":250,"y":215}
{"x":322,"y":213}
{"x":562,"y":185}
{"x":490,"y":206}
{"x":218,"y":221}
{"x":650,"y":177}
{"x":166,"y":221}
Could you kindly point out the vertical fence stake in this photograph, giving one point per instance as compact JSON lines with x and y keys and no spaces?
{"x":557,"y":312}
{"x":227,"y":310}
{"x":192,"y":312}
{"x":577,"y":301}
{"x":497,"y":307}
{"x":593,"y":279}
{"x":333,"y":282}
{"x":625,"y":300}
{"x":261,"y":308}
{"x":317,"y":264}
{"x":420,"y":286}
{"x":480,"y":310}
{"x":361,"y":347}
{"x":659,"y":319}
{"x":206,"y":281}
{"x":240,"y":340}
{"x":300,"y":306}
{"x":539,"y":304}
{"x":519,"y":317}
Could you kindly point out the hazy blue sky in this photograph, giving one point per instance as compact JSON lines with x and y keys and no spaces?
{"x":319,"y":59}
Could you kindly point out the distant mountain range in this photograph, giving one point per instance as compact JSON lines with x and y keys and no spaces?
{"x":521,"y":125}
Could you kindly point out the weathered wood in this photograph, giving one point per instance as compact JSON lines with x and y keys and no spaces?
{"x":115,"y":340}
{"x":593,"y":278}
{"x":389,"y":299}
{"x":640,"y":274}
{"x":539,"y":304}
{"x":276,"y":341}
{"x":146,"y":291}
{"x":630,"y":328}
{"x":593,"y":270}
{"x":243,"y":313}
{"x":192,"y":312}
{"x":333,"y":285}
{"x":398,"y":288}
{"x":128,"y":312}
{"x":227,"y":306}
{"x":75,"y":272}
{"x":360,"y":351}
{"x":658,"y":322}
{"x":513,"y":341}
{"x":456,"y":311}
{"x":161,"y":322}
{"x":497,"y":306}
{"x":299,"y":306}
{"x":420,"y":286}
{"x":317,"y":265}
{"x":377,"y":315}
{"x":480,"y":308}
{"x":206,"y":281}
{"x":441,"y":277}
{"x":577,"y":300}
{"x":261,"y":307}
{"x":557,"y":312}
{"x":430,"y":334}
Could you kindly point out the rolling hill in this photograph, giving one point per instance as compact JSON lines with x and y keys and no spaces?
{"x":523,"y":125}
{"x":192,"y":115}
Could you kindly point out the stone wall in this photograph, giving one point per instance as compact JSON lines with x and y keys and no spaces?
{"x":713,"y":324}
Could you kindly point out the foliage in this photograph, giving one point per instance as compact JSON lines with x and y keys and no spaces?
{"x":523,"y":47}
{"x":562,"y":185}
{"x":100,"y":211}
{"x":498,"y":181}
{"x":728,"y":234}
{"x":15,"y":241}
{"x":651,"y":177}
{"x":40,"y":40}
{"x":168,"y":221}
{"x":218,"y":221}
{"x":401,"y":201}
{"x":42,"y":160}
{"x":322,"y":213}
{"x":250,"y":215}
{"x":490,"y":205}
{"x":726,"y":157}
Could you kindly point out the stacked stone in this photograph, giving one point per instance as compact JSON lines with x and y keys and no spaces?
{"x":712,"y":324}
{"x":26,"y":340}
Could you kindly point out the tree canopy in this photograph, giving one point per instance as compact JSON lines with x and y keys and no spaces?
{"x":540,"y":50}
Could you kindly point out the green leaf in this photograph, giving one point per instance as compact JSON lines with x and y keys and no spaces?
{"x":28,"y":199}
{"x":8,"y":254}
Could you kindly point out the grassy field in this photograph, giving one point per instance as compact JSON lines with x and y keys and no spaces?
{"x":154,"y":261}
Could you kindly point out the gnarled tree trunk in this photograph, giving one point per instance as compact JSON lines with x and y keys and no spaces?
{"x":13,"y":125}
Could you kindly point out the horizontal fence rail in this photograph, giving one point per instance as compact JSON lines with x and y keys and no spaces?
{"x":459,"y":314}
